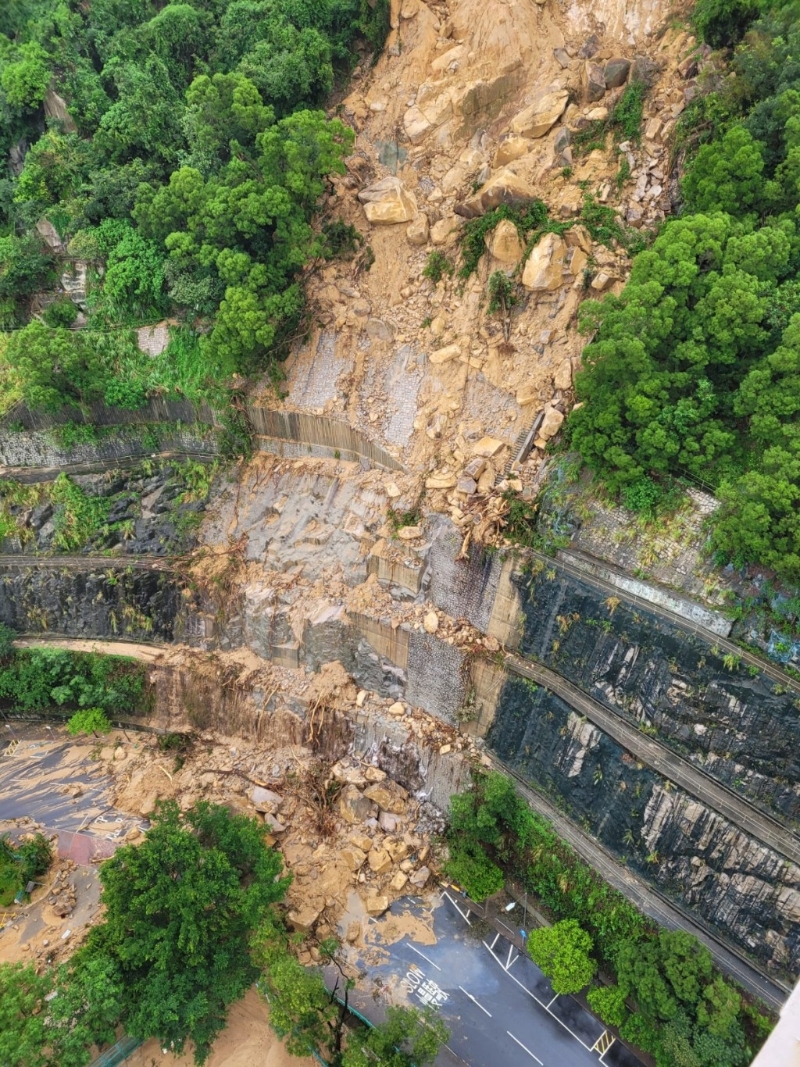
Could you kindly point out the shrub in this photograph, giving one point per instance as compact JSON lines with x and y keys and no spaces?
{"x":608,"y":1002}
{"x":437,"y":266}
{"x":89,"y":721}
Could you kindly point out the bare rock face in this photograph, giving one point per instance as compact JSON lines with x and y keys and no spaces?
{"x":593,"y":82}
{"x":504,"y":243}
{"x":428,"y":113}
{"x":388,"y":202}
{"x":49,"y":235}
{"x":616,"y":72}
{"x":541,"y":115}
{"x":544,"y":269}
{"x":506,"y":187}
{"x":55,"y":107}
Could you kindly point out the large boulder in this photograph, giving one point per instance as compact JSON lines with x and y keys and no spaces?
{"x":387,"y":202}
{"x":354,"y":807}
{"x":505,"y":187}
{"x":616,"y":72}
{"x":544,"y":269}
{"x":265,"y":800}
{"x":303,"y":919}
{"x":379,"y":860}
{"x":504,"y":243}
{"x":593,"y":82}
{"x":541,"y":115}
{"x":388,"y":795}
{"x":511,"y":147}
{"x":417,"y":232}
{"x":551,"y":423}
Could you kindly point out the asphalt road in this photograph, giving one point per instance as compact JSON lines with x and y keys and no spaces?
{"x":38,"y":778}
{"x":499,"y":1007}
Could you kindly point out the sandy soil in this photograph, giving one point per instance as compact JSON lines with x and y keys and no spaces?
{"x":247,"y":1041}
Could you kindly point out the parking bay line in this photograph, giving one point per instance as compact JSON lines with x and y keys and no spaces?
{"x":474,"y":1001}
{"x":430,"y":961}
{"x":525,"y":1047}
{"x":464,"y":915}
{"x":541,"y":1003}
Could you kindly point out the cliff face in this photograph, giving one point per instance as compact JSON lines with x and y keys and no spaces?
{"x":694,"y":855}
{"x":332,"y":583}
{"x":733,"y":721}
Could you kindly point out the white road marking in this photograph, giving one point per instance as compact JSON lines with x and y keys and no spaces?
{"x":555,"y":998}
{"x":510,"y":954}
{"x":526,"y":1049}
{"x":463,"y":915}
{"x":430,"y":961}
{"x":542,"y":1004}
{"x":474,"y":1001}
{"x":496,"y":936}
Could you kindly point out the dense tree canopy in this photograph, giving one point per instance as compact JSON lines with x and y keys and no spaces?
{"x":694,"y":370}
{"x":179,"y":909}
{"x":175,"y":148}
{"x":562,"y":951}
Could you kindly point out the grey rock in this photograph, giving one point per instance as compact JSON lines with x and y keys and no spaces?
{"x":616,"y":72}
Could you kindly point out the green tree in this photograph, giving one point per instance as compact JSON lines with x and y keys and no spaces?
{"x":408,"y":1038}
{"x":722,"y":23}
{"x":25,"y":80}
{"x":179,"y":911}
{"x":56,"y":367}
{"x":89,"y":721}
{"x":89,"y":1001}
{"x":727,"y":175}
{"x":609,"y":1003}
{"x":562,"y":951}
{"x":23,"y":1035}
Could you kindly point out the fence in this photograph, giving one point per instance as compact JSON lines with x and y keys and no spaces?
{"x":118,"y":1052}
{"x":333,"y":435}
{"x":156,"y":409}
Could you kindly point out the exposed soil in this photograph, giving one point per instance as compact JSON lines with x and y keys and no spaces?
{"x":246,"y":1041}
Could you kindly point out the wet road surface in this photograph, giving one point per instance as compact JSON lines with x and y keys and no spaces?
{"x":499,"y":1007}
{"x":38,"y":777}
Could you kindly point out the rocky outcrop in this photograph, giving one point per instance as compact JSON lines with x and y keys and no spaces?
{"x":742,"y":888}
{"x":729,"y":720}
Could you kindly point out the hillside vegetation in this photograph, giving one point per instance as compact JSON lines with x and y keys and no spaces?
{"x":694,"y":370}
{"x":176,"y":150}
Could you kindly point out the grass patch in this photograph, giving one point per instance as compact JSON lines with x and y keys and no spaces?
{"x":78,"y":516}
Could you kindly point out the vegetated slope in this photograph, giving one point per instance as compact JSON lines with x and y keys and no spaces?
{"x":695,"y":367}
{"x":168,"y":159}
